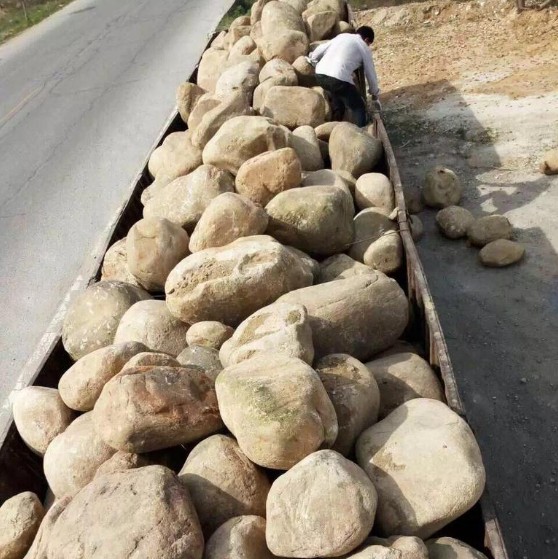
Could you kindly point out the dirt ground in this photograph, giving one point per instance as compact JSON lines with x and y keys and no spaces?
{"x":474,"y":86}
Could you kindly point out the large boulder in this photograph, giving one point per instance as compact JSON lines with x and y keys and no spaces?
{"x":187,"y":95}
{"x":245,"y":45}
{"x":237,"y":32}
{"x":549,"y":164}
{"x":266,"y":175}
{"x":223,"y":483}
{"x":359,"y":316}
{"x":185,"y":199}
{"x":324,"y":130}
{"x":450,"y":548}
{"x":278,"y":69}
{"x":402,"y":377}
{"x":154,"y":247}
{"x":426,"y":466}
{"x":341,"y":266}
{"x":93,"y":316}
{"x":176,"y":157}
{"x":277,"y":408}
{"x":209,"y":333}
{"x":353,"y":150}
{"x":122,"y":461}
{"x":210,"y":68}
{"x":305,"y":143}
{"x":442,"y":188}
{"x":40,"y":415}
{"x":228,"y":217}
{"x":115,"y":264}
{"x":287,"y":45}
{"x":317,"y":6}
{"x":354,"y":394}
{"x":374,"y":190}
{"x":73,"y":457}
{"x":82,"y":383}
{"x":294,"y":106}
{"x":454,"y":221}
{"x":280,"y":16}
{"x":205,"y":104}
{"x":20,"y":518}
{"x":301,"y":521}
{"x":241,"y":78}
{"x":230,"y":283}
{"x":242,"y":138}
{"x":150,"y":359}
{"x":277,"y":328}
{"x":144,"y":512}
{"x":256,"y":11}
{"x":150,"y":408}
{"x":321,"y":25}
{"x":204,"y":358}
{"x":305,"y":72}
{"x":325,"y":177}
{"x":489,"y":228}
{"x":315,"y":219}
{"x":150,"y":323}
{"x":261,"y":90}
{"x":500,"y":253}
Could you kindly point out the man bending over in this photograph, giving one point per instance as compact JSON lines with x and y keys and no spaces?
{"x":335,"y":63}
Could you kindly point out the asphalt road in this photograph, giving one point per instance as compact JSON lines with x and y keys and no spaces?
{"x":83,"y":96}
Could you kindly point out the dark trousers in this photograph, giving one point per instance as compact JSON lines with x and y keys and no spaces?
{"x":344,"y":96}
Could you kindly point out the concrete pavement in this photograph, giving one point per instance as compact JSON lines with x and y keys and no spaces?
{"x":83,"y":96}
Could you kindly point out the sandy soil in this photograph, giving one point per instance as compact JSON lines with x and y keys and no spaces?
{"x":474,"y":86}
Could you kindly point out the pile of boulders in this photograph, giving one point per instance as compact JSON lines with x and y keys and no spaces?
{"x":491,"y":233}
{"x":240,"y":388}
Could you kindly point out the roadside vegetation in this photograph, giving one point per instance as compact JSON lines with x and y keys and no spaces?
{"x":239,"y":8}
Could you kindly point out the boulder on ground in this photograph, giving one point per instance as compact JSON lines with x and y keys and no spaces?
{"x":442,"y":188}
{"x":315,"y":219}
{"x":400,"y":547}
{"x":230,"y":283}
{"x":277,"y":408}
{"x":40,"y":415}
{"x":201,"y":357}
{"x":277,"y":328}
{"x":374,"y":190}
{"x":209,"y":333}
{"x":223,"y":483}
{"x":82,"y":383}
{"x":323,"y":132}
{"x":264,"y":176}
{"x":294,"y":106}
{"x":354,"y":394}
{"x":353,"y":150}
{"x":122,"y":461}
{"x":450,"y":548}
{"x":228,"y":217}
{"x":176,"y":157}
{"x":150,"y":359}
{"x":300,"y":519}
{"x":150,"y":323}
{"x":305,"y":143}
{"x":154,"y":246}
{"x":305,"y":72}
{"x":185,"y":199}
{"x":359,"y":316}
{"x":413,"y":200}
{"x":242,"y":138}
{"x":280,"y":16}
{"x":20,"y":518}
{"x":489,"y":228}
{"x":187,"y":95}
{"x":241,"y":78}
{"x":150,"y":408}
{"x":549,"y":164}
{"x":93,"y":316}
{"x":454,"y":221}
{"x":426,"y":466}
{"x":500,"y":253}
{"x":145,"y":512}
{"x":402,"y":377}
{"x":115,"y":264}
{"x":341,"y":266}
{"x":210,"y":68}
{"x":73,"y":457}
{"x":322,"y":25}
{"x":287,"y":45}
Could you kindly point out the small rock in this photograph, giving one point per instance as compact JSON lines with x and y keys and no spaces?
{"x":374,"y":190}
{"x":454,"y":221}
{"x":442,"y":188}
{"x":500,"y":253}
{"x":489,"y":228}
{"x":549,"y":165}
{"x":450,"y":548}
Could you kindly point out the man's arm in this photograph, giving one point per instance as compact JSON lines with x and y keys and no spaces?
{"x":315,"y":56}
{"x":370,"y":72}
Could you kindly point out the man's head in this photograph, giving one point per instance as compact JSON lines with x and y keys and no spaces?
{"x":367,"y":34}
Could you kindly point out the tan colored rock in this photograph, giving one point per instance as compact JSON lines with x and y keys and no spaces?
{"x":312,"y":266}
{"x":210,"y":68}
{"x":402,"y":377}
{"x":240,"y":21}
{"x":374,"y":190}
{"x":416,"y":227}
{"x":500,"y":253}
{"x":150,"y":408}
{"x":176,"y":157}
{"x":240,"y":78}
{"x":325,"y":177}
{"x":242,"y":138}
{"x":280,"y":16}
{"x":256,"y":11}
{"x":245,"y":45}
{"x":400,"y":547}
{"x":156,"y":186}
{"x":144,"y":512}
{"x":442,"y":188}
{"x":206,"y":359}
{"x":549,"y":164}
{"x":277,"y":408}
{"x":40,"y":415}
{"x":223,"y":483}
{"x":489,"y":228}
{"x":187,"y":95}
{"x":386,"y":253}
{"x":230,"y":283}
{"x":20,"y":518}
{"x":294,"y":106}
{"x":323,"y":131}
{"x":205,"y":104}
{"x":235,"y":34}
{"x":256,"y":35}
{"x":315,"y":219}
{"x":305,"y":143}
{"x":242,"y":537}
{"x":317,"y":6}
{"x":151,"y":359}
{"x":287,"y":45}
{"x":400,"y":346}
{"x":322,"y":25}
{"x":413,"y":200}
{"x":115,"y":264}
{"x":150,"y":323}
{"x":93,"y":316}
{"x":219,"y":41}
{"x":184,"y":200}
{"x":450,"y":548}
{"x":343,"y":27}
{"x":371,"y":224}
{"x":209,"y":333}
{"x":305,"y":72}
{"x":359,"y":316}
{"x":300,"y":519}
{"x":354,"y":394}
{"x":266,"y":175}
{"x":341,"y":266}
{"x":261,"y":91}
{"x":454,"y":221}
{"x":278,"y":68}
{"x":277,"y":328}
{"x":349,"y":179}
{"x":82,"y":383}
{"x":73,"y":457}
{"x":122,"y":461}
{"x":426,"y":466}
{"x":154,"y":247}
{"x":298,"y":5}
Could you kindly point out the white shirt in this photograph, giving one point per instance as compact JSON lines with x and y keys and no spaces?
{"x":344,"y":54}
